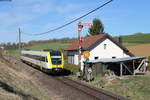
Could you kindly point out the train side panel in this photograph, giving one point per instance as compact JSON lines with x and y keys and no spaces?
{"x":41,"y":64}
{"x":51,"y":63}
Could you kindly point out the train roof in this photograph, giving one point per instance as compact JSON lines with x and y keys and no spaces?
{"x":45,"y":50}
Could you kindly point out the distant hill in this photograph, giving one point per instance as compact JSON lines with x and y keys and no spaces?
{"x":128,"y":40}
{"x":138,"y":44}
{"x":138,"y":38}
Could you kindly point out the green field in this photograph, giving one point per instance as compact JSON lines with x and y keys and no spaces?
{"x":55,"y":46}
{"x":128,"y":40}
{"x":136,"y":39}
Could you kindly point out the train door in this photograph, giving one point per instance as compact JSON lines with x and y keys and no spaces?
{"x":40,"y":60}
{"x":46,"y":62}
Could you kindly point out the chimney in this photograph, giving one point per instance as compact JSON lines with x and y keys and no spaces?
{"x":120,"y":39}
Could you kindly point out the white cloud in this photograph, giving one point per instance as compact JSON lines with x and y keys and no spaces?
{"x":65,"y":8}
{"x":23,"y":11}
{"x":42,"y":7}
{"x":7,"y":18}
{"x":27,"y":13}
{"x":51,"y":26}
{"x":69,"y":7}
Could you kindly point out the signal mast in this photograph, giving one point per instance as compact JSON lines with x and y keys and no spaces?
{"x":80,"y":27}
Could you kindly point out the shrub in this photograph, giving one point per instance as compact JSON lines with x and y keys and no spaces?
{"x":0,"y":53}
{"x":73,"y":68}
{"x":148,"y":63}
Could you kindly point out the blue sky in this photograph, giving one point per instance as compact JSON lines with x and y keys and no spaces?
{"x":121,"y":17}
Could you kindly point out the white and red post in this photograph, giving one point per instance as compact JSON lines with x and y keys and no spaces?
{"x":80,"y":26}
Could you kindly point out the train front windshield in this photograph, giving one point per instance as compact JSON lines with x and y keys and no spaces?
{"x":56,"y":57}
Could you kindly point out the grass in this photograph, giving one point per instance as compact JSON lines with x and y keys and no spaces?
{"x":148,"y":63}
{"x":130,"y":44}
{"x":98,"y":82}
{"x":15,"y":52}
{"x":15,"y":85}
{"x":54,"y":45}
{"x":136,"y":39}
{"x":128,"y":40}
{"x":73,"y":68}
{"x":136,"y":88}
{"x":133,"y":87}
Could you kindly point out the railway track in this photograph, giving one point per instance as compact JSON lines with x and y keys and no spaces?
{"x":97,"y":94}
{"x":67,"y":88}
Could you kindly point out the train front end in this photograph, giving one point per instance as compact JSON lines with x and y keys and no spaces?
{"x":56,"y":61}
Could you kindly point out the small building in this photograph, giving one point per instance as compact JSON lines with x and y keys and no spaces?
{"x":99,"y":46}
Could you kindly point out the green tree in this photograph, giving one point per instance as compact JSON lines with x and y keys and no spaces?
{"x":97,"y":27}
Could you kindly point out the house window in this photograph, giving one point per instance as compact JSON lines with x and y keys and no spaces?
{"x":71,"y":59}
{"x":95,"y":58}
{"x":105,"y":46}
{"x":113,"y":57}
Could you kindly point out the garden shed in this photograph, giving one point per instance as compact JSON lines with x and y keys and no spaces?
{"x":120,"y":66}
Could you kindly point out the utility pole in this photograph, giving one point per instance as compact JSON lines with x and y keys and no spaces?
{"x":19,"y":38}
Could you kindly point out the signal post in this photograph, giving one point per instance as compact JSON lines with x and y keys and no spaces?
{"x":80,"y":27}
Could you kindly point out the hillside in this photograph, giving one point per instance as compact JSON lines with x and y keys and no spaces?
{"x":38,"y":46}
{"x":15,"y":85}
{"x":139,"y":38}
{"x":128,"y":40}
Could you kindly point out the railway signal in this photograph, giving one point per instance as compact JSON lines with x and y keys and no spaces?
{"x":80,"y":27}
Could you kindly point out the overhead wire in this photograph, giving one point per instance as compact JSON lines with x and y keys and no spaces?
{"x":62,"y":26}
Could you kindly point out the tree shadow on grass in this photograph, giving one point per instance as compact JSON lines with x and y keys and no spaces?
{"x":10,"y":89}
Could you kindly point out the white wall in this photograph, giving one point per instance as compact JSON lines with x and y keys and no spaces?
{"x":111,"y":50}
{"x":76,"y":59}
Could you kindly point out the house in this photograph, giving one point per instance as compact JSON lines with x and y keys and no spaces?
{"x":99,"y":46}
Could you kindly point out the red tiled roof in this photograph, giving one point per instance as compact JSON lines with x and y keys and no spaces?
{"x":87,"y":42}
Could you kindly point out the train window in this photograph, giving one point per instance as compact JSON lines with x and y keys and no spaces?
{"x":46,"y":59}
{"x":113,"y":57}
{"x":41,"y":58}
{"x":56,"y":57}
{"x":55,"y":53}
{"x":56,"y":61}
